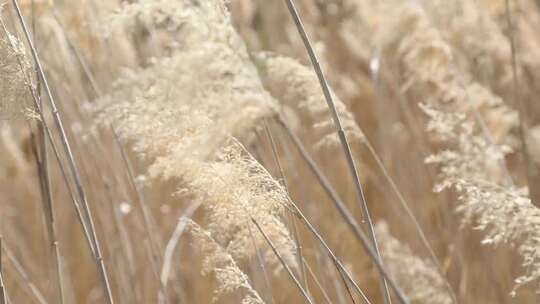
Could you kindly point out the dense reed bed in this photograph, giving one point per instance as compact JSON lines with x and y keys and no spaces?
{"x":251,"y":151}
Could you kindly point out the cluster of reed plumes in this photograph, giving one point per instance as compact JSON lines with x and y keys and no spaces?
{"x":252,"y":151}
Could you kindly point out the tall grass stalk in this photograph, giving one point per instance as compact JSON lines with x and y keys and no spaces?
{"x":292,"y":207}
{"x":42,"y":161}
{"x":530,"y":167}
{"x":71,"y":161}
{"x":38,"y":109}
{"x":317,"y":282}
{"x":341,"y":208}
{"x":151,"y":231}
{"x":412,"y":217}
{"x":261,"y":262}
{"x":300,"y":255}
{"x":48,"y":209}
{"x":3,"y":297}
{"x":168,"y":255}
{"x":282,"y":175}
{"x":306,"y":296}
{"x":342,"y":137}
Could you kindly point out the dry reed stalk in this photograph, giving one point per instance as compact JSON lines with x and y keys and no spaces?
{"x":304,"y":293}
{"x":317,"y":282}
{"x":339,"y":205}
{"x":413,"y":219}
{"x":342,"y":137}
{"x":173,"y":242}
{"x":3,"y":295}
{"x":292,"y":207}
{"x":530,"y":167}
{"x":48,"y":209}
{"x":37,"y":108}
{"x":156,"y":244}
{"x":149,"y":223}
{"x":261,"y":262}
{"x":36,"y":294}
{"x":151,"y":232}
{"x":125,"y":257}
{"x":42,"y":162}
{"x":293,"y":84}
{"x":369,"y":249}
{"x":71,"y":161}
{"x":297,"y":241}
{"x":300,"y":256}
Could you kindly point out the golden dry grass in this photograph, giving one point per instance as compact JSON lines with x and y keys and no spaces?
{"x":369,"y":51}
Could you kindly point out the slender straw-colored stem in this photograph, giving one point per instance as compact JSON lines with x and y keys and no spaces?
{"x":78,"y":56}
{"x":42,"y":160}
{"x":3,"y":297}
{"x":149,"y":224}
{"x":413,"y":219}
{"x":293,"y":222}
{"x":260,"y":260}
{"x":23,"y":274}
{"x":292,"y":207}
{"x":370,"y":250}
{"x":156,"y":243}
{"x":317,"y":282}
{"x":375,"y":73}
{"x":173,"y":242}
{"x":37,"y":106}
{"x":71,"y":161}
{"x":532,"y":177}
{"x":48,"y":207}
{"x":338,"y":203}
{"x":347,"y":288}
{"x":342,"y":137}
{"x":281,"y":171}
{"x":287,"y":268}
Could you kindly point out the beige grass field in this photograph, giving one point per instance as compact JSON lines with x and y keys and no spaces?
{"x":269,"y":151}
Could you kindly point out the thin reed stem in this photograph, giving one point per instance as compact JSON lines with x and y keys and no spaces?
{"x":292,"y":207}
{"x":23,"y":274}
{"x":349,"y":219}
{"x":86,"y":70}
{"x":281,"y":172}
{"x":71,"y":161}
{"x":293,"y":222}
{"x":317,"y":282}
{"x":287,"y":268}
{"x":38,"y":108}
{"x":412,"y":217}
{"x":532,"y":177}
{"x":173,"y":242}
{"x":42,"y":160}
{"x":260,"y":260}
{"x":126,"y":257}
{"x":48,"y":209}
{"x":155,"y":244}
{"x":347,"y":288}
{"x":369,"y":249}
{"x":342,"y":137}
{"x":3,"y":296}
